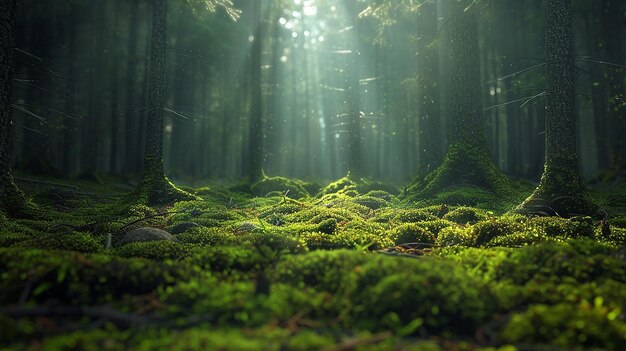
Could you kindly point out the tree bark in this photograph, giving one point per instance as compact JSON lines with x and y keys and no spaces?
{"x":561,"y":191}
{"x":154,"y":187}
{"x":12,"y":200}
{"x":467,"y":160}
{"x":428,"y":89}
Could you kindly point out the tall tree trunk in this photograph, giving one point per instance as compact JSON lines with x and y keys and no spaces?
{"x":255,"y":134}
{"x":134,"y":106}
{"x":12,"y":200}
{"x":612,"y":29}
{"x":428,"y":89}
{"x":561,"y":191}
{"x":467,"y":160}
{"x":154,"y":187}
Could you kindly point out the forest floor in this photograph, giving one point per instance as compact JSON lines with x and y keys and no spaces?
{"x":355,"y":266}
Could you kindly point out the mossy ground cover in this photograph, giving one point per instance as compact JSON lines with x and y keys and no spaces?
{"x":288,"y":265}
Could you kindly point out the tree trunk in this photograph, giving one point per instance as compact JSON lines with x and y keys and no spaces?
{"x":428,"y":90}
{"x":467,"y":160}
{"x":255,"y":143}
{"x":154,"y":187}
{"x":616,"y":110}
{"x":561,"y":191}
{"x":12,"y":200}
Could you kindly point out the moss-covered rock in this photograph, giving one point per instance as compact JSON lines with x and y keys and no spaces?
{"x":145,"y":234}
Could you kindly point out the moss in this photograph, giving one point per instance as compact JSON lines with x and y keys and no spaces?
{"x":226,"y":259}
{"x":155,"y":250}
{"x":8,"y":239}
{"x":76,"y":241}
{"x":412,"y":233}
{"x":357,"y":184}
{"x":455,"y":236}
{"x":155,"y":190}
{"x":485,"y":231}
{"x":14,"y":202}
{"x":387,"y":285}
{"x":371,"y":202}
{"x":589,"y":324}
{"x":206,"y":236}
{"x":467,"y":163}
{"x":294,"y":189}
{"x":413,"y":215}
{"x":323,"y":241}
{"x":554,"y":227}
{"x":71,"y":277}
{"x":435,"y":226}
{"x":464,"y":215}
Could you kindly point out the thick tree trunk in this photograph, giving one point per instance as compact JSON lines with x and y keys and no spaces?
{"x":616,"y":110}
{"x":561,"y":191}
{"x":12,"y":200}
{"x":467,"y":160}
{"x":154,"y":187}
{"x":428,"y":90}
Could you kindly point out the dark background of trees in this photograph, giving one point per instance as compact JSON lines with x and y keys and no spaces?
{"x":350,"y":101}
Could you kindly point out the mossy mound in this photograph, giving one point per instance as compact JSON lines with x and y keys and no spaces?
{"x":357,"y":185}
{"x":279,"y":186}
{"x":75,"y":241}
{"x":412,"y":233}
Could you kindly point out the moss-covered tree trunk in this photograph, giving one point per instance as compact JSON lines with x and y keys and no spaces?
{"x":12,"y":200}
{"x":467,"y":160}
{"x":561,"y":190}
{"x":428,"y":89}
{"x":154,"y":188}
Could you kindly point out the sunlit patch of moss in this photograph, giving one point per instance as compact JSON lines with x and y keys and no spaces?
{"x":360,"y":185}
{"x":435,"y":226}
{"x":289,"y":187}
{"x":561,"y":228}
{"x":155,"y":250}
{"x":75,"y":241}
{"x":464,"y":215}
{"x":383,"y":195}
{"x":455,"y":236}
{"x":412,"y":233}
{"x":371,"y":202}
{"x":413,"y":216}
{"x":203,"y":213}
{"x":316,"y":214}
{"x":324,"y":241}
{"x":485,"y":231}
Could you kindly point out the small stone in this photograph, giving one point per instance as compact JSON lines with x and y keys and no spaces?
{"x":145,"y":234}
